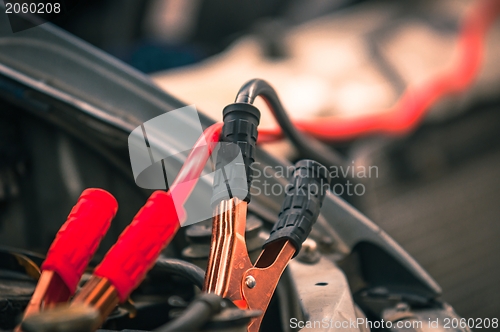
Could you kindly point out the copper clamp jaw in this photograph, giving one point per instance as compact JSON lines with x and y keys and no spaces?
{"x":230,"y":272}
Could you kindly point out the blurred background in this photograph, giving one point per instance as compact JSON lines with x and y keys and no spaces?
{"x":437,"y":189}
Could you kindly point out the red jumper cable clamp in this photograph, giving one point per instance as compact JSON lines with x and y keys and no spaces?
{"x":72,"y":249}
{"x":127,"y":262}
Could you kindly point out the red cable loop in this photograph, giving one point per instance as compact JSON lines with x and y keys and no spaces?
{"x":407,"y":113}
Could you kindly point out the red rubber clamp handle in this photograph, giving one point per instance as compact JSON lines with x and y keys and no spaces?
{"x":79,"y":237}
{"x":127,"y":262}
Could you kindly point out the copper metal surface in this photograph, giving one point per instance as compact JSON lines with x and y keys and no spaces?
{"x":228,"y":258}
{"x":267,"y":273}
{"x":230,"y":272}
{"x":100,"y":294}
{"x":50,"y":290}
{"x":31,"y":267}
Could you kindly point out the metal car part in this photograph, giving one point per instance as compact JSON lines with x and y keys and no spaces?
{"x":324,"y":291}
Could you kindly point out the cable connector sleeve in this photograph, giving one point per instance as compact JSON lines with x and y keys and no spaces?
{"x":78,"y":238}
{"x":239,"y":134}
{"x":134,"y":254}
{"x":303,"y":200}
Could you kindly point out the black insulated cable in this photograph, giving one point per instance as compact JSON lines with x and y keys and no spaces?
{"x":198,"y":313}
{"x":189,"y":271}
{"x":308,"y":146}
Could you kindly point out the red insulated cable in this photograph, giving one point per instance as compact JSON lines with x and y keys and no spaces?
{"x":127,"y":262}
{"x":406,"y":114}
{"x":195,"y":162}
{"x":79,"y":237}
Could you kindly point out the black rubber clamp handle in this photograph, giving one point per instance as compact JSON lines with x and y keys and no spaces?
{"x":303,"y":200}
{"x":239,"y":134}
